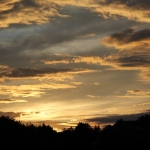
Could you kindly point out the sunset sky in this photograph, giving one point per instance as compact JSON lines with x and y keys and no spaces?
{"x":66,"y":61}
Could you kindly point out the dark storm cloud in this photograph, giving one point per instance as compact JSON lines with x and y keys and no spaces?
{"x":114,"y":118}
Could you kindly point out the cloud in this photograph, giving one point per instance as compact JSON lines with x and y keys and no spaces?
{"x":10,"y":114}
{"x":39,"y":12}
{"x":77,"y":83}
{"x":88,"y":35}
{"x":138,"y":4}
{"x":144,"y":76}
{"x":7,"y":72}
{"x":93,"y":96}
{"x":57,"y":61}
{"x":131,"y":9}
{"x":138,"y":93}
{"x":123,"y":60}
{"x":27,"y":12}
{"x":47,"y":35}
{"x":129,"y":39}
{"x":27,"y":72}
{"x":7,"y":101}
{"x":74,"y":35}
{"x":134,"y":54}
{"x":141,"y":104}
{"x":35,"y":90}
{"x":132,"y":59}
{"x":128,"y":61}
{"x":21,"y":115}
{"x":114,"y":118}
{"x":75,"y":59}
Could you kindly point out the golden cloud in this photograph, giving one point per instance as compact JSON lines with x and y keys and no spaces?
{"x":115,"y":10}
{"x":136,"y":94}
{"x":134,"y":54}
{"x":133,"y":59}
{"x":7,"y":101}
{"x":10,"y":114}
{"x":58,"y":61}
{"x":137,"y":10}
{"x":27,"y":12}
{"x":30,"y":11}
{"x":76,"y":59}
{"x":141,"y":104}
{"x":144,"y":76}
{"x":129,"y":39}
{"x":139,"y":92}
{"x":31,"y":90}
{"x":7,"y":73}
{"x":93,"y":96}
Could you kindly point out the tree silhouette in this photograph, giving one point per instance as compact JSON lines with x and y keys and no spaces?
{"x":124,"y":135}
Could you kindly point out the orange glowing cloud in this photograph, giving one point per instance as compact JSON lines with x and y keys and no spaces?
{"x":75,"y":59}
{"x":39,"y":12}
{"x":9,"y":73}
{"x":7,"y":101}
{"x":93,"y":96}
{"x":136,"y":94}
{"x":27,"y":12}
{"x":134,"y":54}
{"x":129,"y":39}
{"x":139,"y":92}
{"x":31,"y":90}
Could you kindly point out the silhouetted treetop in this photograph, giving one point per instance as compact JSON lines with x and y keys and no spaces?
{"x":124,"y":135}
{"x":144,"y":118}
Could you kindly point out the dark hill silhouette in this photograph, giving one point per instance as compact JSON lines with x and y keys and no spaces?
{"x":123,"y":135}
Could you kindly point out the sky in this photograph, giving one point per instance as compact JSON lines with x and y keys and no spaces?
{"x":69,"y":61}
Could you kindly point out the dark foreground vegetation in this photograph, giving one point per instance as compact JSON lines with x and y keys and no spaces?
{"x":123,"y":135}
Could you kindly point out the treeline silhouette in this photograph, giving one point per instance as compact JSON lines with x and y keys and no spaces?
{"x":123,"y":135}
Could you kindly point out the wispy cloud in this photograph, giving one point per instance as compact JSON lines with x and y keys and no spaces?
{"x":35,"y":90}
{"x":136,"y":94}
{"x":139,"y":92}
{"x":31,"y":11}
{"x":133,"y":46}
{"x":75,"y":59}
{"x":27,"y":12}
{"x":129,"y":39}
{"x":141,"y":104}
{"x":7,"y":101}
{"x":93,"y":96}
{"x":134,"y":10}
{"x":10,"y":114}
{"x":17,"y":73}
